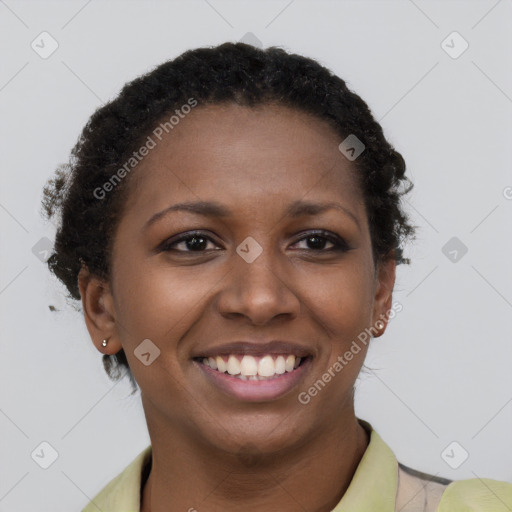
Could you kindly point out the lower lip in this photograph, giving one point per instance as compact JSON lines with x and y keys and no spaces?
{"x":256,"y":390}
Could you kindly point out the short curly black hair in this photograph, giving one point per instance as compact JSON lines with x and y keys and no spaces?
{"x":229,"y":73}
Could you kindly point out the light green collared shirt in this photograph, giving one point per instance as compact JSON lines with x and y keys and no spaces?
{"x":380,"y":484}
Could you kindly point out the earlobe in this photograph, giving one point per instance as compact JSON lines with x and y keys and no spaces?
{"x":386,"y":273}
{"x":98,"y":311}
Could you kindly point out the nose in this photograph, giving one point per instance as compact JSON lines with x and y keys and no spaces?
{"x":259,"y":291}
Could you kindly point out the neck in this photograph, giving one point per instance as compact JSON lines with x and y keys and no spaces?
{"x":313,"y":476}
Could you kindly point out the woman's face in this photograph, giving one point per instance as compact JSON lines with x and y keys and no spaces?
{"x":268,"y":256}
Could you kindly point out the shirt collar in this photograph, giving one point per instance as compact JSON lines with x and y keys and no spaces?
{"x":374,"y":484}
{"x":122,"y":494}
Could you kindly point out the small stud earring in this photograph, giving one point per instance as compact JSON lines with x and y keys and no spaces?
{"x":104,"y":343}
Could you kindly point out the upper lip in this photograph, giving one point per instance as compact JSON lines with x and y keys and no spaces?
{"x":258,"y":348}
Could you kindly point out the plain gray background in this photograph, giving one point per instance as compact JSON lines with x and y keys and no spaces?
{"x":441,"y":373}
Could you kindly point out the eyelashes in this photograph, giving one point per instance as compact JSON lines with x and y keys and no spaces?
{"x":324,"y":237}
{"x":197,"y":237}
{"x":197,"y":242}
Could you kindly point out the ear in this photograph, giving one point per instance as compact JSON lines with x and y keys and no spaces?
{"x":99,"y":314}
{"x":384,"y":283}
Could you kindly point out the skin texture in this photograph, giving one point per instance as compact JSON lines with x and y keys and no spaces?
{"x":211,"y":451}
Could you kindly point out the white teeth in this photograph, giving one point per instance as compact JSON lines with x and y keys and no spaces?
{"x":280,"y":365}
{"x":233,"y":365}
{"x":248,"y":366}
{"x":266,"y":367}
{"x":253,"y":368}
{"x":290,"y":363}
{"x":221,"y":365}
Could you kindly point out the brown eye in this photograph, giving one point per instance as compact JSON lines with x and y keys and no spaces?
{"x":191,"y":242}
{"x":317,"y":242}
{"x":323,"y":241}
{"x":196,"y":243}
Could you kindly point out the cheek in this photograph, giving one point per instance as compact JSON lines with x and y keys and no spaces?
{"x":342,"y":301}
{"x":343,"y":307}
{"x":156,"y":302}
{"x":160,"y":305}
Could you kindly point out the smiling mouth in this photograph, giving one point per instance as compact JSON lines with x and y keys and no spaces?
{"x":247,"y":367}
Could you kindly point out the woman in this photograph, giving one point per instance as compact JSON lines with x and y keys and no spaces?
{"x":232,"y":223}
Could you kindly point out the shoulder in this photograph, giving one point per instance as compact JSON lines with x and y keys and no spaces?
{"x":421,"y":492}
{"x":122,"y":493}
{"x":477,"y":494}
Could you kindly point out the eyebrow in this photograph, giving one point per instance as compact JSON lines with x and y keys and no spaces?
{"x":214,"y":209}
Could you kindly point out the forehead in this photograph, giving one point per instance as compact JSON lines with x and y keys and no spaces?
{"x":237,"y":153}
